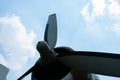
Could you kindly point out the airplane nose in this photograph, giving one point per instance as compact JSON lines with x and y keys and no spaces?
{"x":42,"y":46}
{"x":40,"y":42}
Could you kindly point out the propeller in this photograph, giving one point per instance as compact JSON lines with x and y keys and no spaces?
{"x":56,"y":63}
{"x":48,"y":67}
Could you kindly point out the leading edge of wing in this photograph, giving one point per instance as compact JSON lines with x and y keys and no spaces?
{"x":93,"y":62}
{"x":90,"y":53}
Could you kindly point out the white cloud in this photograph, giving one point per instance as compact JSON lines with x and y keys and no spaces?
{"x":17,"y":42}
{"x":85,"y":12}
{"x":114,"y":11}
{"x":102,"y":14}
{"x":98,"y":7}
{"x":114,"y":8}
{"x":3,"y":61}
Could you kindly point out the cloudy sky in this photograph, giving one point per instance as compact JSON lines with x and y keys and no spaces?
{"x":91,"y":25}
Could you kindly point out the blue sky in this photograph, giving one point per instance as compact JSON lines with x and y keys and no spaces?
{"x":91,"y":25}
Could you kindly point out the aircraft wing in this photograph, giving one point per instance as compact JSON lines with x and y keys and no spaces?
{"x":93,"y":62}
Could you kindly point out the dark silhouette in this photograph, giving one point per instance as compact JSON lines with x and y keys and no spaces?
{"x":56,"y":62}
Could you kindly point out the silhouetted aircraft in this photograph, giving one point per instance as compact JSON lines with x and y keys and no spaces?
{"x":56,"y":62}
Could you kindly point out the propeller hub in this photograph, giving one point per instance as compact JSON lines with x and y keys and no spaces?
{"x":46,"y":53}
{"x":41,"y":45}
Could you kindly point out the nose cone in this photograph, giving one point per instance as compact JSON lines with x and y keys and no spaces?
{"x":45,"y":51}
{"x":42,"y":45}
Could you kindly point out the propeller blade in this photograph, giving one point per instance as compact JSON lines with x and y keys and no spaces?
{"x":25,"y":74}
{"x":33,"y":76}
{"x":51,"y":31}
{"x":3,"y":72}
{"x":93,"y":62}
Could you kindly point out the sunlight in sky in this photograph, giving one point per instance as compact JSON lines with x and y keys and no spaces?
{"x":94,"y":25}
